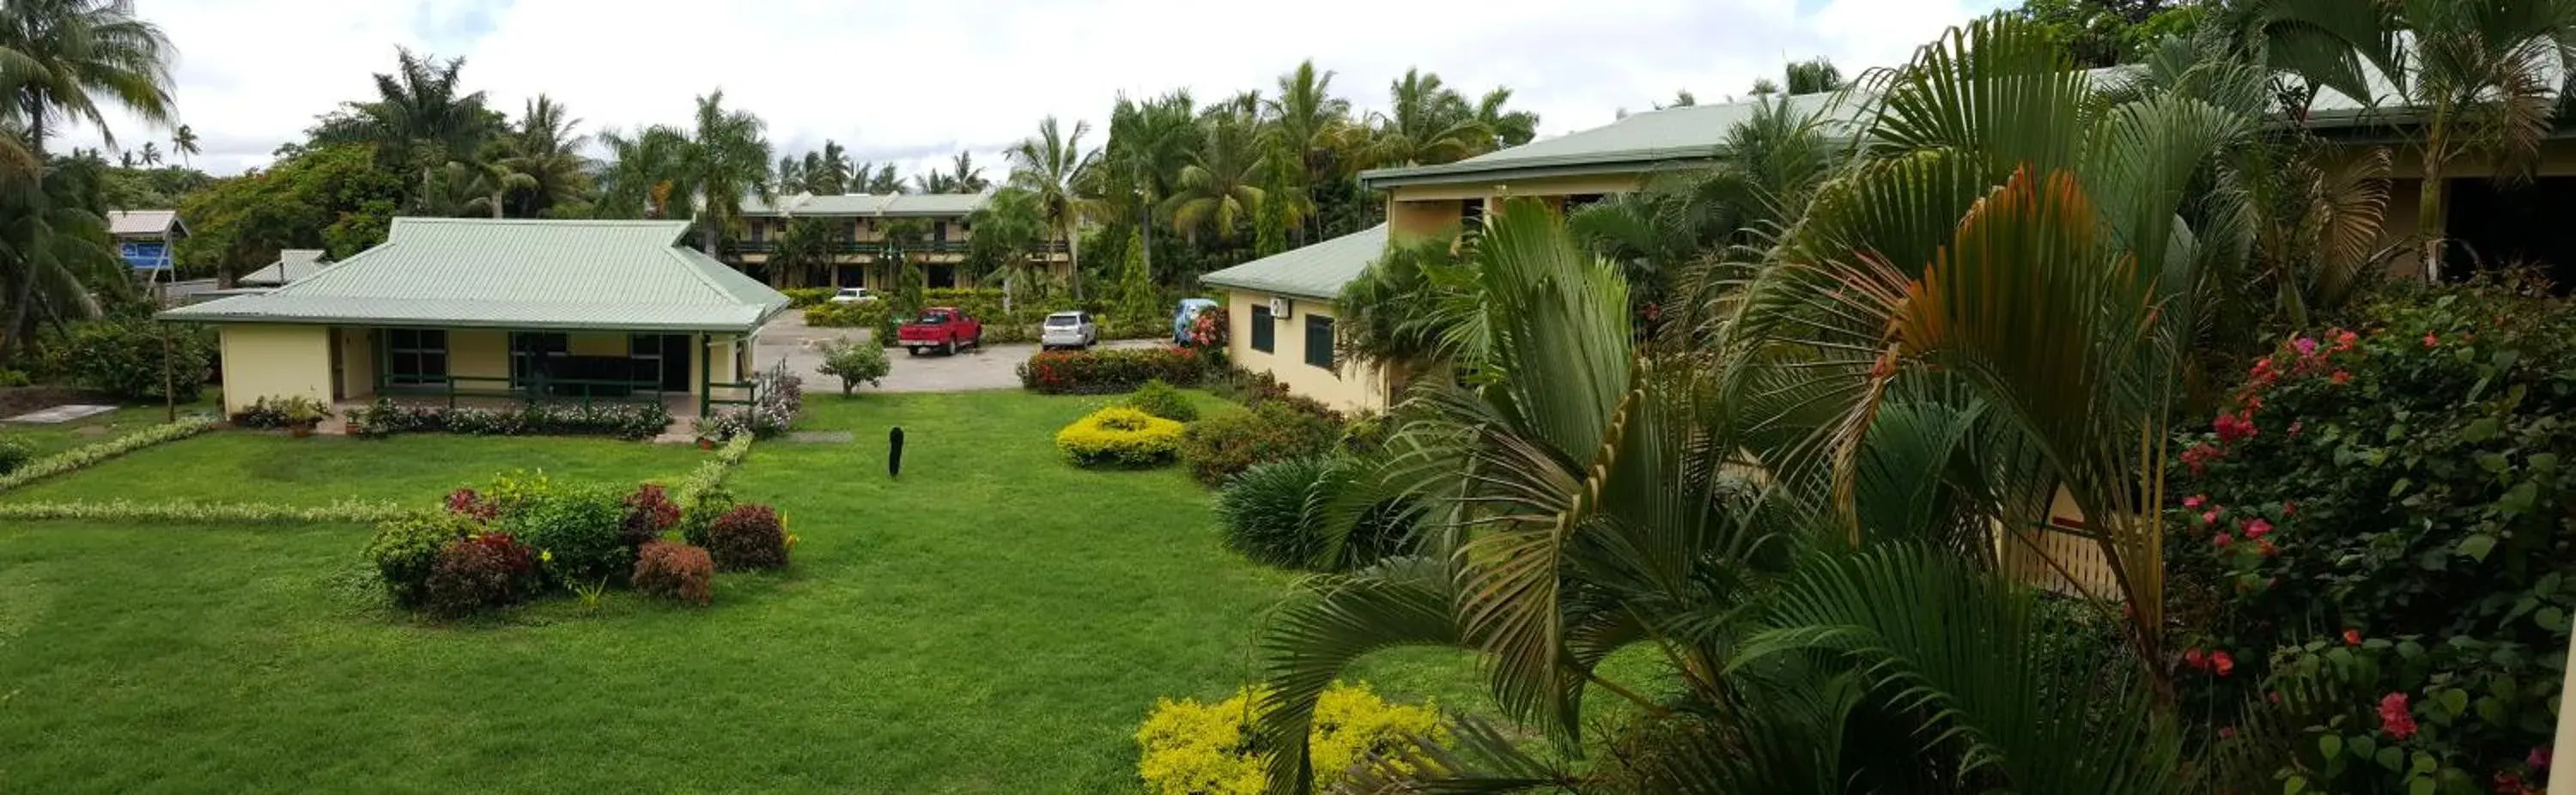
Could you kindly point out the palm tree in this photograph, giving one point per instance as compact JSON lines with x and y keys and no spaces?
{"x":642,"y":174}
{"x":1217,"y":190}
{"x":1776,"y":158}
{"x":2487,"y":80}
{"x":1510,"y":128}
{"x":1816,"y":76}
{"x":419,"y":119}
{"x":1048,"y":166}
{"x":1310,"y":129}
{"x":788,"y":177}
{"x":965,"y":176}
{"x":1426,"y":123}
{"x":1149,"y":142}
{"x":184,"y":142}
{"x":803,"y":248}
{"x":880,"y":181}
{"x":151,"y":154}
{"x":546,"y":150}
{"x":491,"y":183}
{"x":827,"y":173}
{"x":58,"y":60}
{"x":726,"y":158}
{"x":934,"y":183}
{"x":1007,"y":228}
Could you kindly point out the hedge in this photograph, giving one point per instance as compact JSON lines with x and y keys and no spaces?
{"x":622,"y":420}
{"x":710,"y":476}
{"x":1096,"y":372}
{"x":80,"y":457}
{"x":183,"y":511}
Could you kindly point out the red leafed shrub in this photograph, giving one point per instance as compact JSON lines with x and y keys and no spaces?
{"x":649,"y":511}
{"x":479,"y":573}
{"x":751,"y":536}
{"x":675,"y":571}
{"x":471,"y":504}
{"x":1107,"y":371}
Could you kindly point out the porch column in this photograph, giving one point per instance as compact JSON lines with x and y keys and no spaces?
{"x":706,"y":371}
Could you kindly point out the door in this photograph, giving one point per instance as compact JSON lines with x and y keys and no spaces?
{"x":339,"y":365}
{"x":675,"y":362}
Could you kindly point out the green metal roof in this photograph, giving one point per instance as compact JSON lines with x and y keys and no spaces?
{"x":1316,"y":271}
{"x":522,"y":274}
{"x":291,"y":264}
{"x":896,"y":205}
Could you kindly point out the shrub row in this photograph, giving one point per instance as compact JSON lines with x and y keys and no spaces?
{"x":1120,"y":436}
{"x":621,"y":420}
{"x":803,"y":297}
{"x":1097,"y":372}
{"x":868,"y":314}
{"x":1189,"y":748}
{"x":80,"y":457}
{"x":182,"y":511}
{"x":281,"y":412}
{"x":709,"y":477}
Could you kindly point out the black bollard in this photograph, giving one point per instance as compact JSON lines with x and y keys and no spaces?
{"x":894,"y":452}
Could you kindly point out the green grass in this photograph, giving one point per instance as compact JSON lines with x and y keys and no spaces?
{"x":49,"y":439}
{"x":269,"y":466}
{"x":994,"y":621}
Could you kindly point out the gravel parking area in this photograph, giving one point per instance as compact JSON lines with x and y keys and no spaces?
{"x":995,"y":367}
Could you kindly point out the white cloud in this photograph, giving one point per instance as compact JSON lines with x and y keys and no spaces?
{"x":915,"y":81}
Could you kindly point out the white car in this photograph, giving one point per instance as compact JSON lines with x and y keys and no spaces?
{"x":1068,"y":330}
{"x":853,"y":295}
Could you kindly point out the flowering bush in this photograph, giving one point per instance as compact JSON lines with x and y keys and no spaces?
{"x":779,"y":399}
{"x":1208,"y":329}
{"x":622,"y":420}
{"x":1191,"y":748}
{"x":481,"y":572}
{"x":1104,"y":371}
{"x":2372,"y":537}
{"x":750,"y":536}
{"x":1219,"y":447}
{"x":1120,"y":436}
{"x":675,"y":571}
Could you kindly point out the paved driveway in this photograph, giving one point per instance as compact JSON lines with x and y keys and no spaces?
{"x":996,"y":367}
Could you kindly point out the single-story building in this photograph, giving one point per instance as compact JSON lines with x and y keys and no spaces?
{"x":292,"y":265}
{"x":521,"y":309}
{"x":1279,"y":313}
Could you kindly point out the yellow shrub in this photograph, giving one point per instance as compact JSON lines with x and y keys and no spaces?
{"x":1190,"y":748}
{"x":1122,"y":436}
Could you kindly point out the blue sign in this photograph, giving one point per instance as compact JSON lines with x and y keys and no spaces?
{"x":146,"y":255}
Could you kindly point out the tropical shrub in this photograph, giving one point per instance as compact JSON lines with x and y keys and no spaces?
{"x":281,"y":412}
{"x":79,"y":457}
{"x":750,"y":536}
{"x":1105,"y":371}
{"x":1191,"y":748}
{"x":675,"y":571}
{"x":807,"y":297}
{"x":480,"y":572}
{"x":1222,"y":446}
{"x":855,"y":362}
{"x":125,"y":358}
{"x":1162,"y":400}
{"x":649,"y":512}
{"x":577,"y":531}
{"x":14,"y":454}
{"x":779,"y":400}
{"x":2373,"y":535}
{"x":1312,"y":513}
{"x":865,"y":314}
{"x":1208,"y":329}
{"x":699,"y":512}
{"x":622,"y":420}
{"x":14,"y":378}
{"x":406,"y":551}
{"x":1120,"y":436}
{"x":709,"y":477}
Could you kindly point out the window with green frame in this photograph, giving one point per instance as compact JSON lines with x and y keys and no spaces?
{"x":415,"y":356}
{"x":1265,"y":329}
{"x":1319,"y":341}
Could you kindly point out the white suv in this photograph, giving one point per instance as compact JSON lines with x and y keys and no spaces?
{"x":1068,"y":330}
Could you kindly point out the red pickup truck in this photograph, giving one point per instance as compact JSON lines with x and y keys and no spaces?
{"x":942,"y":327}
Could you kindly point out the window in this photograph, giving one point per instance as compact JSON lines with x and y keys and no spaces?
{"x":1265,"y":329}
{"x":532,"y":353}
{"x":416,"y":356}
{"x":1581,"y":200}
{"x":1471,"y":215}
{"x":1319,"y":341}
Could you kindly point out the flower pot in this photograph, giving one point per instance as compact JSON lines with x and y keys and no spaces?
{"x":300,"y":430}
{"x":706,"y":444}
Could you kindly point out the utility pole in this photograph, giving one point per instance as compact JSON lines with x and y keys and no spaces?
{"x":169,"y":379}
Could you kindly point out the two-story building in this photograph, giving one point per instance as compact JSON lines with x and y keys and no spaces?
{"x":861,"y":243}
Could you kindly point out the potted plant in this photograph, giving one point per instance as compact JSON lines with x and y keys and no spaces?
{"x":707,"y":429}
{"x":302,"y":413}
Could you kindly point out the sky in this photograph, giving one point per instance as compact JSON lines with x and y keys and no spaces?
{"x":916,"y":82}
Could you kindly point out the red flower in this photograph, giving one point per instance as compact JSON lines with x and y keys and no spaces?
{"x":2266,"y":547}
{"x":2233,"y":428}
{"x":2395,"y":718}
{"x":2344,"y":340}
{"x":2195,"y":658}
{"x":2223,"y":664}
{"x":2226,"y":732}
{"x":2430,"y":340}
{"x":2257,"y":527}
{"x":2289,"y":509}
{"x":2342,"y":377}
{"x":2352,"y":637}
{"x":2194,"y":502}
{"x":2274,"y":696}
{"x":2307,"y":346}
{"x":2222,"y":540}
{"x":2209,"y":516}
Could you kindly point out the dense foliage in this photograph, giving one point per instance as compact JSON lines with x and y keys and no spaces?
{"x":1219,"y":447}
{"x":1188,"y":747}
{"x":2376,"y":530}
{"x":855,"y":363}
{"x":14,"y":454}
{"x":675,"y":571}
{"x":480,"y":572}
{"x":746,"y":537}
{"x":579,"y":531}
{"x":622,"y":420}
{"x":1107,"y":370}
{"x":1161,"y":399}
{"x":1120,"y":436}
{"x":140,"y":360}
{"x":1312,"y":513}
{"x":406,"y":550}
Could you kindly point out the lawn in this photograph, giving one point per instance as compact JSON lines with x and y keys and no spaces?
{"x":48,"y":439}
{"x":994,"y":621}
{"x":269,"y":466}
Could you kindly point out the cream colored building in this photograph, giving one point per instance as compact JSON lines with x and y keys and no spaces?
{"x":449,"y":309}
{"x":1280,"y":319}
{"x":860,"y":223}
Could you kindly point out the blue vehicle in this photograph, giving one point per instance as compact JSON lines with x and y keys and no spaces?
{"x":1188,"y":313}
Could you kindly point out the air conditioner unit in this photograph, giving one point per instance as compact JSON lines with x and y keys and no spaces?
{"x":1279,"y":308}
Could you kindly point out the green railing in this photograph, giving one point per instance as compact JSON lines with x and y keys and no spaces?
{"x":586,"y":391}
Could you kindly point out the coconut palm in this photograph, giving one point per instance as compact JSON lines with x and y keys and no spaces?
{"x":150,"y":154}
{"x":184,"y":142}
{"x":1007,"y":228}
{"x":827,"y":173}
{"x":1510,"y":128}
{"x":1816,"y":76}
{"x":1426,"y":123}
{"x":1219,"y":188}
{"x":1048,"y":166}
{"x":788,"y":177}
{"x":1311,"y":130}
{"x":420,"y":118}
{"x":725,"y":159}
{"x":2486,"y":79}
{"x":965,"y":176}
{"x":641,"y":176}
{"x":545,"y":149}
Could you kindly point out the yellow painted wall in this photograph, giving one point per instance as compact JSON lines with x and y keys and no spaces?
{"x":275,"y":361}
{"x":1416,"y":220}
{"x":481,"y":353}
{"x":1354,"y":388}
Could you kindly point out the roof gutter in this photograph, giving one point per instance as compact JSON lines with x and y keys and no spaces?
{"x":179,"y":316}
